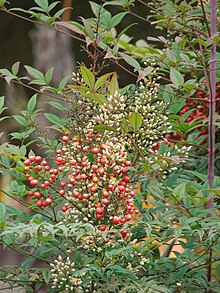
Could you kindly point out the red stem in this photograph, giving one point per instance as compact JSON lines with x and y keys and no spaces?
{"x":211,"y":131}
{"x":212,"y":104}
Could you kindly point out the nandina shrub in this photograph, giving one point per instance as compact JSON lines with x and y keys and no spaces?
{"x":108,"y":209}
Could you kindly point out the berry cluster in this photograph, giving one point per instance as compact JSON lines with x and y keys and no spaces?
{"x":201,"y":112}
{"x":110,"y":114}
{"x":97,"y":190}
{"x":93,"y":179}
{"x":154,"y":114}
{"x":62,"y":275}
{"x":40,"y":177}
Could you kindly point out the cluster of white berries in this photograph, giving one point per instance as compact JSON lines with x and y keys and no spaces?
{"x":110,"y":114}
{"x":63,"y":275}
{"x":154,"y":114}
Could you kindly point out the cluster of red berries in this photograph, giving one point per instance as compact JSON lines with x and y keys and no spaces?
{"x":201,"y":112}
{"x":40,"y":177}
{"x":93,"y":180}
{"x":97,"y":180}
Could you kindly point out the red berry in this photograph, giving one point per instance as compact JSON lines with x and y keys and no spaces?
{"x":105,"y":201}
{"x":64,"y":209}
{"x":39,"y":203}
{"x":121,"y":188}
{"x":73,"y":162}
{"x":72,"y":180}
{"x":105,"y":194}
{"x":93,"y":189}
{"x":106,"y":240}
{"x":102,"y":146}
{"x":48,"y":201}
{"x":27,"y":162}
{"x":47,"y":183}
{"x":83,"y":177}
{"x":127,"y":163}
{"x":30,"y":193}
{"x":85,"y":196}
{"x":128,"y":217}
{"x":38,"y":195}
{"x":47,"y":168}
{"x":126,"y":179}
{"x":84,"y":164}
{"x":76,"y":193}
{"x":26,"y":169}
{"x":65,"y":138}
{"x":62,"y":192}
{"x":34,"y":182}
{"x":44,"y":163}
{"x":124,"y":171}
{"x":94,"y":167}
{"x":111,"y":187}
{"x":80,"y":197}
{"x":124,"y":234}
{"x":55,"y":171}
{"x":132,"y":193}
{"x":95,"y":180}
{"x":98,"y":216}
{"x":101,"y":171}
{"x":102,"y":228}
{"x":38,"y":159}
{"x":32,"y":158}
{"x":85,"y":149}
{"x":116,"y":220}
{"x":95,"y":151}
{"x":99,"y":210}
{"x":39,"y":167}
{"x":62,"y":184}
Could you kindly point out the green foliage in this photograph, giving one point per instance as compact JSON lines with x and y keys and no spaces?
{"x":120,"y":203}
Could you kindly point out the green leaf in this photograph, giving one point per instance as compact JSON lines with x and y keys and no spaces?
{"x":124,"y":127}
{"x":57,"y":106}
{"x":113,"y":85}
{"x":130,"y":60}
{"x":2,"y":3}
{"x":2,"y":101}
{"x":180,"y":190}
{"x":46,"y":275}
{"x":31,"y":104}
{"x":135,"y":120}
{"x":43,"y":4}
{"x":176,"y":77}
{"x":2,"y":211}
{"x":72,"y":26}
{"x":104,"y":127}
{"x":54,"y":119}
{"x":116,"y":19}
{"x":35,"y":73}
{"x":98,"y":98}
{"x":89,"y":32}
{"x":52,"y":5}
{"x":49,"y":75}
{"x":218,"y":270}
{"x":88,"y":76}
{"x":102,"y":80}
{"x":21,"y":120}
{"x":63,"y":82}
{"x":15,"y":68}
{"x":96,"y":8}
